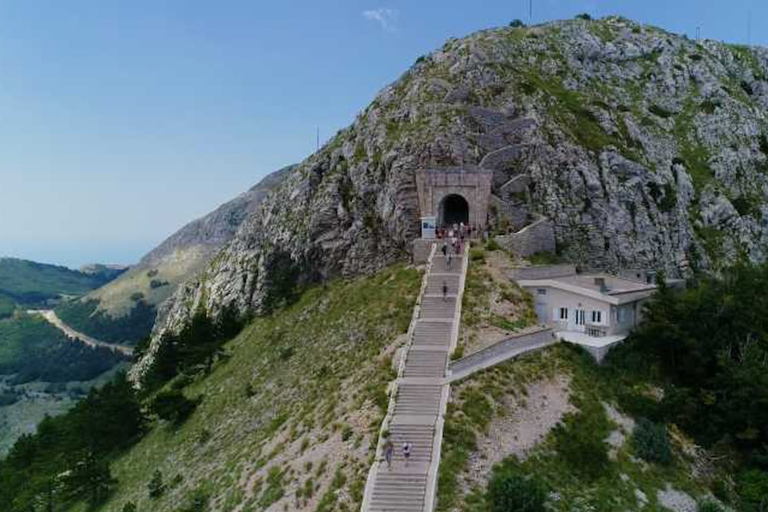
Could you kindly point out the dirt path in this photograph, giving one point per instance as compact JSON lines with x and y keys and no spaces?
{"x":51,"y":316}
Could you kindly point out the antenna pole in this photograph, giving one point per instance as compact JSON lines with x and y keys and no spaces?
{"x":530,"y":12}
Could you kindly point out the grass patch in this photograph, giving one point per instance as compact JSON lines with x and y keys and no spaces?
{"x":337,"y":334}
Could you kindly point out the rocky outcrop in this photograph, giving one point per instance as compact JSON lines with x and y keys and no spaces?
{"x":643,"y":148}
{"x":182,"y":255}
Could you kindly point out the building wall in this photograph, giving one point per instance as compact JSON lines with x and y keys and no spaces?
{"x":554,"y":299}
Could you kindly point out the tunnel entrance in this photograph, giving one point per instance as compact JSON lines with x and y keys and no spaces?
{"x":454,"y":209}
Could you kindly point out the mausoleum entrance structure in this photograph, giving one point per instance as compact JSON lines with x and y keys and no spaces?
{"x":453,"y":196}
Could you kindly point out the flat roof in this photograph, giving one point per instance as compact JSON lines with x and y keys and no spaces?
{"x":617,"y":290}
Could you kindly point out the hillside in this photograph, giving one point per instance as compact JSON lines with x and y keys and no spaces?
{"x":644,"y":149}
{"x":284,"y":418}
{"x":125,"y":309}
{"x":31,"y":283}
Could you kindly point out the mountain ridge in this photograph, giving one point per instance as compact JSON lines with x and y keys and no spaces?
{"x":644,"y":148}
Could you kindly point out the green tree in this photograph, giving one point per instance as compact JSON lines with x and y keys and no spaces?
{"x":511,"y":491}
{"x":173,"y":406}
{"x":651,"y":441}
{"x":156,"y":487}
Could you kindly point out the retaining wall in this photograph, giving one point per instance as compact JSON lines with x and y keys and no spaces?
{"x":536,"y":237}
{"x":542,"y":272}
{"x":501,"y":351}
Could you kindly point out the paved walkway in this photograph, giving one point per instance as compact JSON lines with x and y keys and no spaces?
{"x":416,"y":413}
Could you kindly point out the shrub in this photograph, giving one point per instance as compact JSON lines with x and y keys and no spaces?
{"x":752,"y":488}
{"x":659,"y":111}
{"x":198,"y":502}
{"x":346,"y":433}
{"x":157,"y":283}
{"x":137,"y":296}
{"x":156,"y":487}
{"x":651,"y":441}
{"x":477,"y":254}
{"x":584,"y":16}
{"x":285,"y":353}
{"x":129,"y":507}
{"x":516,"y":23}
{"x":510,"y":490}
{"x":173,"y":406}
{"x":492,"y":245}
{"x":709,"y":506}
{"x":580,"y":441}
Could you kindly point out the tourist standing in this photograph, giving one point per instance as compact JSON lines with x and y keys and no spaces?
{"x":389,"y":450}
{"x":445,"y":291}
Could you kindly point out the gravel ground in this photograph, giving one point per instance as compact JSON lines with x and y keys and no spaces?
{"x":526,"y":422}
{"x":675,"y":500}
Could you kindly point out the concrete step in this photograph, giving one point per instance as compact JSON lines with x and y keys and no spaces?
{"x":418,"y":399}
{"x":430,"y":333}
{"x":437,"y":307}
{"x":424,"y":363}
{"x":440,"y":265}
{"x":435,"y":284}
{"x":420,"y":436}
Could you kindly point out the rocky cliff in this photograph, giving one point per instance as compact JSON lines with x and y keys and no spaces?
{"x":181,"y":255}
{"x":644,"y":148}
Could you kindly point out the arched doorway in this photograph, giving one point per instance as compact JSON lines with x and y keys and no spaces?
{"x":454,"y":209}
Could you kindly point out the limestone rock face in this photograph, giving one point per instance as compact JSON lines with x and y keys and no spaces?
{"x":643,"y":148}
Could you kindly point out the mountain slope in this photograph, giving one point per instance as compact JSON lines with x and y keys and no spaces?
{"x":29,"y":282}
{"x":289,"y":418}
{"x":125,"y":309}
{"x":644,"y":148}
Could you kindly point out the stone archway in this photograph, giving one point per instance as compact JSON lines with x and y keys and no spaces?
{"x":454,"y":209}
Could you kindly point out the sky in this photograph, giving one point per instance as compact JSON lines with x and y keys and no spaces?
{"x":120,"y":121}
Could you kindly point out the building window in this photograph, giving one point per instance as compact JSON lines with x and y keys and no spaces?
{"x":563,"y":313}
{"x":541,"y":291}
{"x":597,"y":317}
{"x":580,"y":317}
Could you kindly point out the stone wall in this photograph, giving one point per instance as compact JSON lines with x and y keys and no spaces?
{"x":421,"y":249}
{"x":474,"y":185}
{"x":540,"y":272}
{"x":501,"y":351}
{"x":536,"y":237}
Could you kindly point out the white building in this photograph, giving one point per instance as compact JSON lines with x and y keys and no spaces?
{"x":596,"y":311}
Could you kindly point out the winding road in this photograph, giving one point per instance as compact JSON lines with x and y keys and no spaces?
{"x":72,"y":334}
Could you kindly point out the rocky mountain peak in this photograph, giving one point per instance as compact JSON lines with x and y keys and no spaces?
{"x":642,"y":147}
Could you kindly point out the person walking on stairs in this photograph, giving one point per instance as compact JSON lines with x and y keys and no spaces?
{"x":445,"y":291}
{"x":449,"y":259}
{"x":444,"y":248}
{"x":407,"y":448}
{"x":389,"y":450}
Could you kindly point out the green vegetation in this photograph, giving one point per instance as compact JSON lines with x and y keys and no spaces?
{"x":711,"y":344}
{"x":259,"y":414}
{"x":7,"y":307}
{"x":545,"y":258}
{"x":84,"y":316}
{"x":31,"y":283}
{"x":31,"y":348}
{"x":68,"y":459}
{"x":510,"y":490}
{"x":652,"y":442}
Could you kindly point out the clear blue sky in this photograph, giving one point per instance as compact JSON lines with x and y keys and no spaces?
{"x":122,"y":120}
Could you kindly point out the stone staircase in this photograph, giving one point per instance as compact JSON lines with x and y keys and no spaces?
{"x":419,"y":396}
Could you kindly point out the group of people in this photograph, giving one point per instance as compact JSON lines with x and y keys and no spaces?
{"x":389,"y":451}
